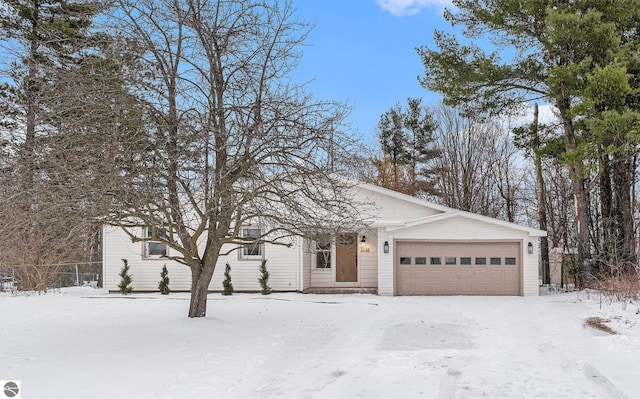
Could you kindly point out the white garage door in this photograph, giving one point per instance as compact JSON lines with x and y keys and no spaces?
{"x":458,"y":268}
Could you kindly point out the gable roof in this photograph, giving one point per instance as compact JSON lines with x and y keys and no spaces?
{"x":473,"y":216}
{"x":403,"y":197}
{"x":445,"y":213}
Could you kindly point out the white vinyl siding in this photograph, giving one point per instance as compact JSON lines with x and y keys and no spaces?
{"x":368,"y":261}
{"x":282,"y":264}
{"x":394,"y":208}
{"x":306,"y":264}
{"x":145,"y":272}
{"x":385,"y":264}
{"x":530,"y":268}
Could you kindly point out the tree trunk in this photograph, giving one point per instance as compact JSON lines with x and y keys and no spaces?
{"x":623,"y":181}
{"x":606,"y":248}
{"x":31,"y":97}
{"x":542,"y":198}
{"x":395,"y":174}
{"x":200,"y":278}
{"x":628,"y":216}
{"x":585,"y":272}
{"x":581,"y":203}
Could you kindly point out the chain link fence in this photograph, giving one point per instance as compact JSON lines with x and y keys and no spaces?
{"x":40,"y":278}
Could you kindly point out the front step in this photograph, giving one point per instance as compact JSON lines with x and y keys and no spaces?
{"x":341,"y":290}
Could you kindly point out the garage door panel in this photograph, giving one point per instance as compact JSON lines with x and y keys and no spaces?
{"x":441,"y":278}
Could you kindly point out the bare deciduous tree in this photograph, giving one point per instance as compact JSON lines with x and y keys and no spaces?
{"x":230,"y":140}
{"x":478,"y":170}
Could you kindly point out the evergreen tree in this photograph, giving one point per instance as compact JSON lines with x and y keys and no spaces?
{"x":44,"y":38}
{"x":226,"y":284}
{"x":264,"y":278}
{"x":126,"y":280}
{"x":393,"y":141}
{"x":406,"y":139}
{"x":43,"y":44}
{"x":163,"y":285}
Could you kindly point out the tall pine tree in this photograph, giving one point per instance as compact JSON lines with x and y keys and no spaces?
{"x":406,"y":139}
{"x":42,"y":38}
{"x":42,"y":42}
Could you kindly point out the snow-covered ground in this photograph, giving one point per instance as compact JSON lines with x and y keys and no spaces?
{"x":84,"y":343}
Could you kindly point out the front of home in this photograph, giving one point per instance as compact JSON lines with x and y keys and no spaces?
{"x":409,"y":247}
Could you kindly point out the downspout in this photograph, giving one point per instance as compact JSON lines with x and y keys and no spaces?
{"x":103,"y":255}
{"x":380,"y":251}
{"x":299,"y":272}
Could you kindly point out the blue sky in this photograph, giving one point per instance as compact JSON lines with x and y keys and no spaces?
{"x":363,"y":52}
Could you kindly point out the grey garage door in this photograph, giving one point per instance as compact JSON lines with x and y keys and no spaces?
{"x":457,"y":268}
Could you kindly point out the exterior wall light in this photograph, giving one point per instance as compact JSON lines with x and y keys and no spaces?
{"x":530,"y":248}
{"x":385,"y":247}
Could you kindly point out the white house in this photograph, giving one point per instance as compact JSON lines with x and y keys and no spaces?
{"x":410,"y":247}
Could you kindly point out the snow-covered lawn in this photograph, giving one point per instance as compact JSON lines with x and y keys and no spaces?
{"x":84,"y":343}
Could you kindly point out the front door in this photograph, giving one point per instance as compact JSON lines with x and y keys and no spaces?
{"x":347,"y":258}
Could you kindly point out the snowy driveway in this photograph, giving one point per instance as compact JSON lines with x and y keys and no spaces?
{"x":85,"y":344}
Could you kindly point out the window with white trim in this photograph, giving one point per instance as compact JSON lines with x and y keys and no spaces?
{"x":323,"y":252}
{"x":253,"y":248}
{"x":154,"y":249}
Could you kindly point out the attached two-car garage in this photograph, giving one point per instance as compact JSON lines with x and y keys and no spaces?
{"x":429,"y":249}
{"x":458,"y":268}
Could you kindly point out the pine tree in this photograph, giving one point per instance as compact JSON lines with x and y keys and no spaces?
{"x":264,"y":278}
{"x":126,"y":280}
{"x":43,"y":43}
{"x":46,"y":36}
{"x":163,"y":285}
{"x":228,"y":287}
{"x":407,"y":142}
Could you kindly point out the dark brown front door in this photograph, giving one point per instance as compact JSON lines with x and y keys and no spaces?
{"x":347,"y":258}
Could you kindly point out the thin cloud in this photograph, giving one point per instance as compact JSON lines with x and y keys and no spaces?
{"x":401,"y":8}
